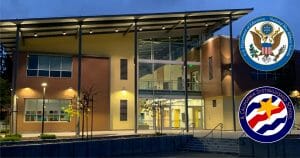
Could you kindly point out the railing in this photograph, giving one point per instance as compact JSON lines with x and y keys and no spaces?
{"x":297,"y":126}
{"x":172,"y":85}
{"x":243,"y":134}
{"x":193,"y":127}
{"x":211,"y":132}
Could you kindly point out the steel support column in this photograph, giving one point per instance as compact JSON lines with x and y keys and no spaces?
{"x":232,"y":73}
{"x":14,"y":83}
{"x":185,"y":76}
{"x":79,"y":77}
{"x":135,"y":76}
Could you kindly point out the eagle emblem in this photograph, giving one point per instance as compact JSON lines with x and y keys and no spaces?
{"x":266,"y":40}
{"x":266,"y":43}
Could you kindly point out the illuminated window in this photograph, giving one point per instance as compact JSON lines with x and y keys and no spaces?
{"x":53,"y":109}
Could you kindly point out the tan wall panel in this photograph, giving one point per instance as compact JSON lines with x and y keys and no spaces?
{"x":213,"y":115}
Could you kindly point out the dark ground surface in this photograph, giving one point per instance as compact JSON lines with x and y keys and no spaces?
{"x":183,"y":155}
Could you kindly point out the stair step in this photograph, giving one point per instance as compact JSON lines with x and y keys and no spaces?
{"x":213,"y":145}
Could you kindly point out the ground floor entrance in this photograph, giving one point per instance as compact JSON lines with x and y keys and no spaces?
{"x":169,"y":113}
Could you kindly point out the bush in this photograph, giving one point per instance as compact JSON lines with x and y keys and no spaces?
{"x":48,"y":136}
{"x":4,"y":131}
{"x":11,"y":137}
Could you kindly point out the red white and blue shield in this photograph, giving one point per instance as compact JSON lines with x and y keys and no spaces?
{"x":266,"y":48}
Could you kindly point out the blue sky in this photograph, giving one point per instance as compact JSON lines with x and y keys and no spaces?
{"x":287,"y":10}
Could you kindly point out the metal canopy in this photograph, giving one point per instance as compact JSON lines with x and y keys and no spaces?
{"x":52,"y":27}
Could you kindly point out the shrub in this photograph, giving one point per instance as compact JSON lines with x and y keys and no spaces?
{"x":4,"y":131}
{"x":11,"y":137}
{"x":48,"y":136}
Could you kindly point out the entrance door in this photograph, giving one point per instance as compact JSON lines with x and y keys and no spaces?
{"x":166,"y":118}
{"x":176,"y":118}
{"x":198,"y":117}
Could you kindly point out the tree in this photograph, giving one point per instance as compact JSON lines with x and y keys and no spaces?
{"x":5,"y":98}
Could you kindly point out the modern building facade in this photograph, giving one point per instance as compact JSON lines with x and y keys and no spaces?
{"x":145,"y":72}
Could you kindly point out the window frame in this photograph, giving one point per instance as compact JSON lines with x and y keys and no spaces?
{"x":123,"y":108}
{"x":49,"y":65}
{"x":46,"y":112}
{"x":123,"y":71}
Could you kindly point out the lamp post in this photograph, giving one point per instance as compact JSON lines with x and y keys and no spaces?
{"x":44,"y":85}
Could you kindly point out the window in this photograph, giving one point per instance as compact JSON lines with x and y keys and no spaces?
{"x":123,"y":69}
{"x":123,"y":110}
{"x":265,"y":76}
{"x":49,"y":66}
{"x":53,"y":109}
{"x":210,"y":68}
{"x":214,"y":103}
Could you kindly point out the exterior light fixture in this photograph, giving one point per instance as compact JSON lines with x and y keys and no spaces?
{"x":64,"y":33}
{"x":123,"y":91}
{"x":163,"y":27}
{"x":35,"y":35}
{"x":116,"y":30}
{"x":44,"y":85}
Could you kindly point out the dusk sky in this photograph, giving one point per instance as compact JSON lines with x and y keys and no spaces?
{"x":287,"y":10}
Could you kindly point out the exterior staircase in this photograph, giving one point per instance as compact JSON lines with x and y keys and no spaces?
{"x":216,"y":145}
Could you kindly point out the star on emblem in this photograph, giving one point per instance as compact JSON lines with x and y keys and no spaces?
{"x":267,"y":107}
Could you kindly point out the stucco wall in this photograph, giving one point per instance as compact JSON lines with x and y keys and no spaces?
{"x":115,"y":47}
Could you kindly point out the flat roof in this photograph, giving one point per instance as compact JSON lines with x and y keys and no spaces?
{"x":209,"y":21}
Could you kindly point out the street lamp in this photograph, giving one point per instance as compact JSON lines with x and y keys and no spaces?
{"x":44,"y":85}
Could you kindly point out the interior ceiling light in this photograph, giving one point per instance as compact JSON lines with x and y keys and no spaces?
{"x":206,"y":24}
{"x":35,"y":35}
{"x":141,"y":29}
{"x":91,"y":31}
{"x":64,"y":33}
{"x":116,"y":30}
{"x":163,"y":27}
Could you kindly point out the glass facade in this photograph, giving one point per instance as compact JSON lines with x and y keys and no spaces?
{"x":169,"y":113}
{"x":161,"y":83}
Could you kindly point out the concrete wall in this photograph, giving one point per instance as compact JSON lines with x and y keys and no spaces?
{"x":287,"y":147}
{"x":99,"y":148}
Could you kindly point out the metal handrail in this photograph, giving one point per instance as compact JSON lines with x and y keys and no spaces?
{"x":212,"y":130}
{"x":297,"y":126}
{"x":193,"y":126}
{"x":243,"y":134}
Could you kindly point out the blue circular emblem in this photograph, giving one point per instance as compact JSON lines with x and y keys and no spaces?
{"x":266,"y":43}
{"x":266,"y":114}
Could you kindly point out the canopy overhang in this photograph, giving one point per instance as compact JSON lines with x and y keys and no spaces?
{"x":210,"y":21}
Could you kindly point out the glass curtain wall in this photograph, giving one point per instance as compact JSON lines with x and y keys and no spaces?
{"x":161,"y":82}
